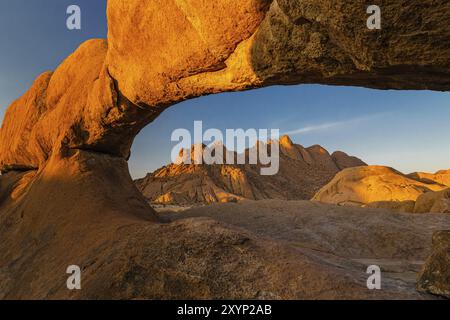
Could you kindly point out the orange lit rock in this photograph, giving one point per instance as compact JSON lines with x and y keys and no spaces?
{"x":364,"y":185}
{"x":435,"y":274}
{"x":74,"y":129}
{"x":434,"y":202}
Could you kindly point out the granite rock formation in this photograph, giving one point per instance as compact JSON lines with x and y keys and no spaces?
{"x":303,"y":171}
{"x":383,"y":187}
{"x":67,"y":196}
{"x":103,"y":94}
{"x":435,"y":274}
{"x":434,"y":202}
{"x":350,"y":237}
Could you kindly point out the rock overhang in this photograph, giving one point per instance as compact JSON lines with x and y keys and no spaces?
{"x":159,"y":53}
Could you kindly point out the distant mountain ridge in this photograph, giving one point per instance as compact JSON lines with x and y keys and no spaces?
{"x":303,"y":171}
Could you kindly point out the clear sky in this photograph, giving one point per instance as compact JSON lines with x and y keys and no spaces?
{"x":408,"y":130}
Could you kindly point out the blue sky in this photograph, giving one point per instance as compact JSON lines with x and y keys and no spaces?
{"x":405,"y":129}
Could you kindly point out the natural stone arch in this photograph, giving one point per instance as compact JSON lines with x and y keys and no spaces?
{"x":159,"y":53}
{"x":65,"y":143}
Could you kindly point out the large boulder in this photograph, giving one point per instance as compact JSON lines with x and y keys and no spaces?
{"x":157,"y":47}
{"x":365,"y":185}
{"x":435,"y":275}
{"x":73,"y":131}
{"x":302,"y":172}
{"x":434,"y":202}
{"x":397,"y":206}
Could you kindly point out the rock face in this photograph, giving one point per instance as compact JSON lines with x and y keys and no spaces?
{"x":366,"y":185}
{"x":435,"y":275}
{"x":398,"y":206}
{"x":434,"y":202}
{"x":173,"y":53}
{"x":344,"y":161}
{"x":72,"y":133}
{"x":303,"y":171}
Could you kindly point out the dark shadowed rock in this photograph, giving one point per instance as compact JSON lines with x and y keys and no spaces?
{"x":435,"y":275}
{"x":397,"y":206}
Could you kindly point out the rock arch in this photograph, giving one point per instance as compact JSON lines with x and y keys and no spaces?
{"x":159,"y":53}
{"x":65,"y":143}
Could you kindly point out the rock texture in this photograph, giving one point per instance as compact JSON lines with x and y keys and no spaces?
{"x":441,"y":177}
{"x":435,"y":202}
{"x":72,"y":133}
{"x":124,"y":254}
{"x":303,"y":171}
{"x":398,"y":206}
{"x":159,"y":53}
{"x":435,"y":275}
{"x":380,"y":187}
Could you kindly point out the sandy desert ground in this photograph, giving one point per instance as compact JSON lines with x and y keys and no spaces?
{"x":346,"y":237}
